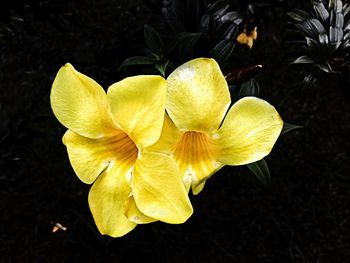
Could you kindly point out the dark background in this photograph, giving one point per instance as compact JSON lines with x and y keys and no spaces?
{"x":302,"y":216}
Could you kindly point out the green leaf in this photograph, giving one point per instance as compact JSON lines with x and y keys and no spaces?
{"x":162,"y":67}
{"x":185,"y":42}
{"x":153,"y":40}
{"x":249,"y":88}
{"x":260,"y":170}
{"x":137,"y":60}
{"x":289,"y":127}
{"x":222,"y":51}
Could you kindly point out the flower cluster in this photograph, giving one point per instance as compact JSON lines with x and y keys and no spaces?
{"x":149,"y":140}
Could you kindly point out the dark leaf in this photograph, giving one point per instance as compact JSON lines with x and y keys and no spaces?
{"x":316,"y":25}
{"x":333,"y":48}
{"x":153,"y":40}
{"x":216,"y":6}
{"x":346,"y":11}
{"x":346,"y":44}
{"x":321,"y":11}
{"x":336,"y":16}
{"x":323,"y":39}
{"x":226,"y":30}
{"x":218,"y":14}
{"x":347,"y":36}
{"x":312,"y":44}
{"x":347,"y":27}
{"x":303,"y":60}
{"x":249,"y":88}
{"x":172,"y":17}
{"x":211,"y":24}
{"x":185,"y":42}
{"x":233,"y":17}
{"x":335,"y":35}
{"x":222,"y":51}
{"x":196,"y":9}
{"x":339,"y":21}
{"x":346,"y":8}
{"x":325,"y":67}
{"x":137,"y":60}
{"x":298,"y":15}
{"x":311,"y":78}
{"x":260,"y":170}
{"x":289,"y":127}
{"x":204,"y":24}
{"x":311,"y":28}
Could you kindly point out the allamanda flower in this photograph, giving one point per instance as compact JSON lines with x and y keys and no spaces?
{"x":106,"y":138}
{"x":199,"y":132}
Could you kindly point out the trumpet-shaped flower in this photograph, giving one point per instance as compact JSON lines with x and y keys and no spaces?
{"x":199,"y":132}
{"x":106,"y":138}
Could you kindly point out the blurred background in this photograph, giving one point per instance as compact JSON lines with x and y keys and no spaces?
{"x":301,"y":215}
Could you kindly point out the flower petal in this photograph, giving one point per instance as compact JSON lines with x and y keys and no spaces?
{"x":80,"y":104}
{"x":89,"y":157}
{"x":198,"y":95}
{"x":158,"y":189}
{"x":135,"y":215}
{"x":168,"y":138}
{"x":108,"y":201}
{"x":249,"y":131}
{"x":137,"y":104}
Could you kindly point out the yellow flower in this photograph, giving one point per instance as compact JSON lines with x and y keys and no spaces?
{"x":106,"y":138}
{"x":199,"y":132}
{"x":248,"y":39}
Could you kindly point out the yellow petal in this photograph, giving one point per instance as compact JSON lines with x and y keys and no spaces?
{"x":168,"y":138}
{"x":108,"y":201}
{"x":198,"y":95}
{"x":137,"y":104}
{"x":249,"y":42}
{"x":195,"y":153}
{"x":254,"y":33}
{"x":242,"y":38}
{"x":80,"y":104}
{"x":135,"y":215}
{"x":89,"y":157}
{"x":158,"y":189}
{"x":248,"y":133}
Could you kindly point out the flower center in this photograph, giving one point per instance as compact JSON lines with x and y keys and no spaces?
{"x":125,"y":150}
{"x":194,"y":154}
